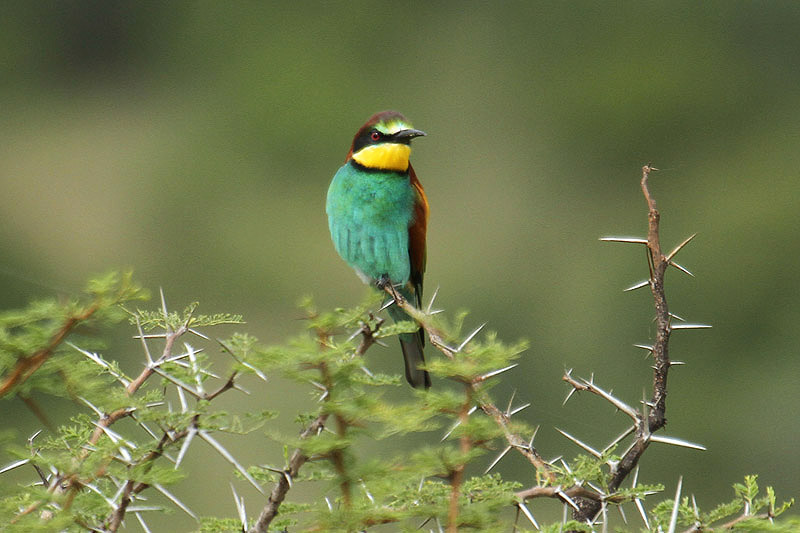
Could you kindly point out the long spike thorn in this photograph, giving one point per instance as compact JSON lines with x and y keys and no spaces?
{"x":369,"y":496}
{"x":257,"y":372}
{"x":93,"y":488}
{"x":518,"y":409}
{"x":144,"y":427}
{"x":142,"y":523}
{"x":642,"y":513}
{"x":470,"y":337}
{"x":15,"y":464}
{"x":689,"y":326}
{"x":93,"y":407}
{"x":648,"y":347}
{"x":566,"y":466}
{"x":171,"y":497}
{"x":185,"y":446}
{"x":182,"y":398}
{"x":98,"y":360}
{"x":433,"y":298}
{"x":677,"y":363}
{"x":694,"y":507}
{"x":673,"y":519}
{"x":228,"y":457}
{"x":497,"y":459}
{"x":379,"y":342}
{"x":622,"y":514}
{"x":580,"y":443}
{"x":564,"y":496}
{"x":638,"y":285}
{"x":677,"y":442}
{"x":241,"y":389}
{"x":535,"y":431}
{"x":680,"y":247}
{"x":144,"y":508}
{"x":595,"y":488}
{"x":175,"y":381}
{"x":569,"y":395}
{"x":631,"y":240}
{"x":387,"y":305}
{"x":144,"y":341}
{"x":510,"y":401}
{"x":193,"y":359}
{"x":681,"y":268}
{"x":30,"y":439}
{"x":150,"y":336}
{"x":613,"y":400}
{"x":436,"y":312}
{"x":240,"y":509}
{"x":494,"y":373}
{"x":458,"y":423}
{"x":676,"y":317}
{"x":195,"y":332}
{"x":356,"y":333}
{"x":522,"y":507}
{"x":367,"y":371}
{"x":163,"y":305}
{"x":330,"y":507}
{"x":619,"y":438}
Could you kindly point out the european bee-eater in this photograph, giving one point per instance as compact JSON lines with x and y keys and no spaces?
{"x":378,"y":216}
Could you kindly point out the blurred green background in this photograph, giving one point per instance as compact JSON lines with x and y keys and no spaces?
{"x":194,"y":142}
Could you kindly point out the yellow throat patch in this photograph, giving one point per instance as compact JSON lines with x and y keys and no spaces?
{"x":388,"y":156}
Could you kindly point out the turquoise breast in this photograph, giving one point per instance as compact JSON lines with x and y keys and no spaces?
{"x":369,"y":214}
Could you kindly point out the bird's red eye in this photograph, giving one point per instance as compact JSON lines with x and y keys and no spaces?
{"x":375,"y":136}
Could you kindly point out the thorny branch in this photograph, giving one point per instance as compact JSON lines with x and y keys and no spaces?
{"x":26,"y":366}
{"x":282,"y":486}
{"x":71,"y":483}
{"x":299,"y":458}
{"x":437,"y":338}
{"x":656,"y":418}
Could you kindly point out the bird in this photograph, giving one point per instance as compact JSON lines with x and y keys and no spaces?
{"x":378,"y":216}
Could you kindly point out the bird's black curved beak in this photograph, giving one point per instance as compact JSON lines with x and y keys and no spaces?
{"x":407,"y":135}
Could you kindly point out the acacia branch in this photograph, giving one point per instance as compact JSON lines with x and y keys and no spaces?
{"x":438,"y":339}
{"x":26,"y":366}
{"x":656,"y":419}
{"x":282,"y":486}
{"x":299,"y":458}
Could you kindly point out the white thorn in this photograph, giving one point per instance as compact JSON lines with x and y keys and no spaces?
{"x":12,"y":466}
{"x":433,"y":298}
{"x":470,"y":337}
{"x":581,"y":444}
{"x":185,"y":446}
{"x":633,"y":240}
{"x":673,"y":519}
{"x":142,"y":522}
{"x":493,"y":373}
{"x":240,"y":509}
{"x":171,"y":497}
{"x":676,"y":442}
{"x":689,"y":326}
{"x":228,"y":457}
{"x":497,"y":459}
{"x":527,"y":514}
{"x":638,"y":285}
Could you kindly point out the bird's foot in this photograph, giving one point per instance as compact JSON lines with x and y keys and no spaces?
{"x":383,"y":282}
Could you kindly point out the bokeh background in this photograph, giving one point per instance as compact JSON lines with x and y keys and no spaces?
{"x":194,"y":142}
